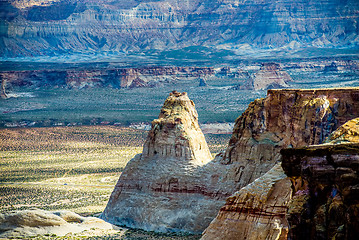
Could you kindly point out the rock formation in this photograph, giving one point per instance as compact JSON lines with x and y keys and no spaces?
{"x":167,"y":188}
{"x":3,"y":94}
{"x":285,"y":118}
{"x":163,"y":188}
{"x":325,"y":182}
{"x":116,"y":78}
{"x":257,"y":211}
{"x":289,"y":118}
{"x":30,"y":28}
{"x":30,"y":223}
{"x":202,"y":82}
{"x":271,"y":76}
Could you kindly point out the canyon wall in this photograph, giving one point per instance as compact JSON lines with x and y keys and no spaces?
{"x":116,"y":78}
{"x":32,"y":28}
{"x":285,"y":118}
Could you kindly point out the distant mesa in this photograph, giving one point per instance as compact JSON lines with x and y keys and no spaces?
{"x":271,"y":76}
{"x":176,"y":186}
{"x":142,"y":77}
{"x":56,"y":27}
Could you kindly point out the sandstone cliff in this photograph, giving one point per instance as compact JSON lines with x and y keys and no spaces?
{"x":31,"y":28}
{"x":285,"y":118}
{"x":325,"y":183}
{"x":163,"y":188}
{"x":255,"y":212}
{"x":172,"y":185}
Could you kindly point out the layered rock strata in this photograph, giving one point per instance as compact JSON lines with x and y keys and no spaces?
{"x":285,"y":118}
{"x":257,"y":211}
{"x":30,"y":28}
{"x":326,"y":186}
{"x":163,"y":188}
{"x":289,"y":118}
{"x":117,"y":78}
{"x":172,"y":185}
{"x":270,"y":76}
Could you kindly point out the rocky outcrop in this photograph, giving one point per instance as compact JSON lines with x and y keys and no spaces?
{"x":3,"y":94}
{"x":285,"y":118}
{"x":257,"y":211}
{"x":163,"y":188}
{"x":347,"y":133}
{"x":117,"y":78}
{"x":31,"y":28}
{"x":325,"y":182}
{"x":270,"y":76}
{"x":289,"y":118}
{"x":30,"y":223}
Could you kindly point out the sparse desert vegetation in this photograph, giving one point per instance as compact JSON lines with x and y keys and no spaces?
{"x":72,"y":168}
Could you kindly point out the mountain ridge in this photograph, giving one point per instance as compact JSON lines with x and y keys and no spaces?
{"x":62,"y":27}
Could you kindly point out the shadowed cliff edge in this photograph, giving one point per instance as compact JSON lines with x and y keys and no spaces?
{"x":174,"y":186}
{"x":325,"y":183}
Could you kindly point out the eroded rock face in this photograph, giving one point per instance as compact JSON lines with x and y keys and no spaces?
{"x":54,"y":27}
{"x":325,"y":181}
{"x":283,"y":119}
{"x":257,"y":211}
{"x":163,"y":188}
{"x":117,"y":77}
{"x":173,"y":185}
{"x":289,"y":118}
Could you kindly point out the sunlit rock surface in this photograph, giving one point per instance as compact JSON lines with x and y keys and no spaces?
{"x":257,"y":211}
{"x":174,"y":186}
{"x":285,"y":118}
{"x":31,"y":28}
{"x":325,"y":182}
{"x":30,"y":223}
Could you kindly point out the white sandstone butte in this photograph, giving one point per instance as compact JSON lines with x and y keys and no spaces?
{"x":167,"y":187}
